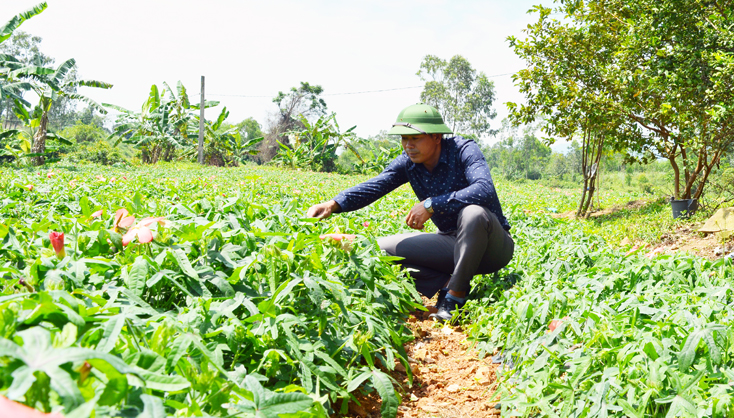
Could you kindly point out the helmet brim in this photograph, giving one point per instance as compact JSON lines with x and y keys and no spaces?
{"x":427,"y":128}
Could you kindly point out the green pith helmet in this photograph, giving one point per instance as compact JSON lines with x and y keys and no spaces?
{"x":419,"y":119}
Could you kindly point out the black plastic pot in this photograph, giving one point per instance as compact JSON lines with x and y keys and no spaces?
{"x":683,"y":208}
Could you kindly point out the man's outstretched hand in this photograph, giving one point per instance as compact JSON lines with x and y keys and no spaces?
{"x":417,"y":216}
{"x":323,"y":210}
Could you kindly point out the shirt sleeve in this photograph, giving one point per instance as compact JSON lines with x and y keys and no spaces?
{"x":480,"y":190}
{"x":365,"y":193}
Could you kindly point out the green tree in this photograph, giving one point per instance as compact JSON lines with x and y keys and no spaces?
{"x":23,"y":49}
{"x":81,"y":132}
{"x":558,"y":166}
{"x":565,"y":83}
{"x":50,"y":85}
{"x":518,"y":155}
{"x":250,"y":129}
{"x":11,"y":90}
{"x":226,"y":145}
{"x":166,"y":124}
{"x":167,"y":127}
{"x":651,"y":78}
{"x":315,"y":145}
{"x":26,"y":49}
{"x":463,"y":96}
{"x":300,"y":102}
{"x":370,"y":155}
{"x":89,"y":116}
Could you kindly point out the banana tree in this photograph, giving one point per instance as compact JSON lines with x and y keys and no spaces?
{"x":315,"y":146}
{"x":166,"y":123}
{"x":225,"y":145}
{"x":10,"y":88}
{"x":50,"y":85}
{"x":236,"y":147}
{"x":11,"y":25}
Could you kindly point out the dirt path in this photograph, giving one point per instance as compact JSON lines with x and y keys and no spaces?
{"x":449,"y":379}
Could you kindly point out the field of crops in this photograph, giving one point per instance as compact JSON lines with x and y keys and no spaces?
{"x":220,"y":299}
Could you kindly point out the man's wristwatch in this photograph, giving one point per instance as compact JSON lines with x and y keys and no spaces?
{"x":428,"y":205}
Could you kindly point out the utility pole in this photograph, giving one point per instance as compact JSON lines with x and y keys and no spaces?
{"x":200,"y":159}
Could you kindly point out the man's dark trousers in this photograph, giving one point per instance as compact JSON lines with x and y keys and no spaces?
{"x":479,"y":246}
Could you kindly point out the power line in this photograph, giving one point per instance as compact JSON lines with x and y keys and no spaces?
{"x":373,"y":91}
{"x":326,"y":94}
{"x":345,"y":93}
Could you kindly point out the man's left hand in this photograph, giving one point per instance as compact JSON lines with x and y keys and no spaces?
{"x":417,"y":216}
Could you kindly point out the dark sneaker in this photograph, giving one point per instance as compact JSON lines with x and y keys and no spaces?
{"x":441,"y":296}
{"x":446,"y":310}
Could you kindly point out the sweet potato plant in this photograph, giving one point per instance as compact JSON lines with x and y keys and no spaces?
{"x":161,"y":291}
{"x":584,"y":330}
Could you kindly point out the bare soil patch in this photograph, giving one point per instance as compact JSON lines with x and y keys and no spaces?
{"x":683,"y":239}
{"x":688,"y":239}
{"x":631,"y":205}
{"x":449,"y":379}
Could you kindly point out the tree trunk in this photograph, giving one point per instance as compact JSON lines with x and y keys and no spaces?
{"x":39,"y":141}
{"x":676,"y":177}
{"x":156,"y":154}
{"x":581,"y":209}
{"x":707,"y":171}
{"x":145,"y":155}
{"x":589,"y":195}
{"x":168,"y":153}
{"x":591,"y":157}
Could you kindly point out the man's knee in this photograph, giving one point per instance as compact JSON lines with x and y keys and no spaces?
{"x":474,"y":216}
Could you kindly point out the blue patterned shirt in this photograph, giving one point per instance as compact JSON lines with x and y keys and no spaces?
{"x":460,"y":178}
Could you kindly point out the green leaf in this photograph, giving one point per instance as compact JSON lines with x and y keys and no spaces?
{"x":83,"y":411}
{"x":183,"y":262}
{"x":268,"y":404}
{"x":178,"y":349}
{"x":7,"y":29}
{"x":385,"y":389}
{"x":84,"y":205}
{"x":366,"y":352}
{"x":285,"y":403}
{"x":112,"y":329}
{"x":357,"y":381}
{"x":59,"y":138}
{"x":115,"y":237}
{"x":23,"y":379}
{"x":64,"y":385}
{"x":166,"y":383}
{"x":153,"y":407}
{"x":714,"y":350}
{"x":285,"y":289}
{"x":629,"y":410}
{"x":114,"y":391}
{"x":688,"y":353}
{"x":137,"y":276}
{"x":66,"y":337}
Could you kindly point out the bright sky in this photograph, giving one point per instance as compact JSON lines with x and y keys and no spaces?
{"x":257,"y":48}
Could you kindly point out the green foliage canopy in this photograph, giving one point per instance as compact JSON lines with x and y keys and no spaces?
{"x":654,"y":76}
{"x":462,"y":96}
{"x":250,"y":128}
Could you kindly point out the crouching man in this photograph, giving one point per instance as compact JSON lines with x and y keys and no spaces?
{"x":451,"y":179}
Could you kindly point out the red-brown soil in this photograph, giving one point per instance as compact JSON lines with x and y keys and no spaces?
{"x":449,"y":379}
{"x":687,"y":239}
